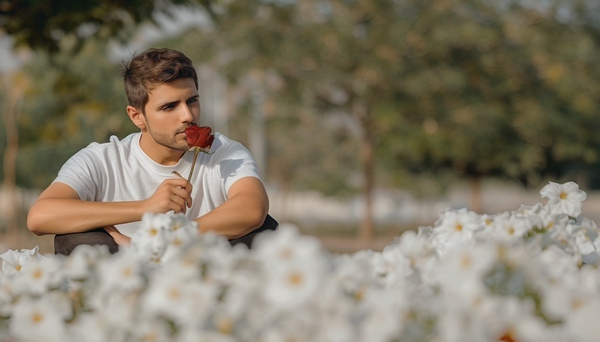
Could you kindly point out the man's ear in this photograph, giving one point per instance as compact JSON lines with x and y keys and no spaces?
{"x":137,"y":117}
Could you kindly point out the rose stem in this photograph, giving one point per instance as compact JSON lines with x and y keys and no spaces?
{"x":196,"y":150}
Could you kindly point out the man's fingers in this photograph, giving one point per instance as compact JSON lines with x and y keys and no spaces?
{"x":179,"y":204}
{"x":180,"y":183}
{"x":184,"y":194}
{"x":174,"y":194}
{"x":110,"y":229}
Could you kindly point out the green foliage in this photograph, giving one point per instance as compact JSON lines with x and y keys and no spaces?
{"x":439,"y":88}
{"x":451,"y":87}
{"x":479,"y":94}
{"x":70,"y":102}
{"x":43,"y":24}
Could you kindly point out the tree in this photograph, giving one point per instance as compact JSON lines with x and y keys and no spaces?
{"x":10,"y":115}
{"x":71,"y":101}
{"x":485,"y":92}
{"x":43,"y":24}
{"x":306,"y":47}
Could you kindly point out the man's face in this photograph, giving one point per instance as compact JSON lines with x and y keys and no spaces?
{"x":170,"y":109}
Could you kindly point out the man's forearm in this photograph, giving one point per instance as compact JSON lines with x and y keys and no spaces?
{"x":66,"y":215}
{"x":235,"y":217}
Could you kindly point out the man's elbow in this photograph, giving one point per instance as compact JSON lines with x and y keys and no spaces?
{"x":257,"y":217}
{"x":35,"y":222}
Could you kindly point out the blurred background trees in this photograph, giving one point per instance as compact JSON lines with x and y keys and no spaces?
{"x":338,"y":96}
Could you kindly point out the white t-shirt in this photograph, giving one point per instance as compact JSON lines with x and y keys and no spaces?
{"x":119,"y":170}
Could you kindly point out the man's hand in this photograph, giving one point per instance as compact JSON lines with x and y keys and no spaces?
{"x":172,"y":194}
{"x":120,"y":239}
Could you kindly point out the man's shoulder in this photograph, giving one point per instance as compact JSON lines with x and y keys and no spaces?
{"x":113,"y":148}
{"x":224,"y":146}
{"x":114,"y":143}
{"x":223,"y":141}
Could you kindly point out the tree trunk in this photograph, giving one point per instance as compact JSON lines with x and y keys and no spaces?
{"x":367,"y":227}
{"x":475,"y":193}
{"x":256,"y":129}
{"x":9,"y":164}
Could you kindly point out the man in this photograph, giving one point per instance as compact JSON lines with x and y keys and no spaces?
{"x":111,"y":185}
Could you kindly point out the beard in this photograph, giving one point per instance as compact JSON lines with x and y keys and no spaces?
{"x":170,"y":141}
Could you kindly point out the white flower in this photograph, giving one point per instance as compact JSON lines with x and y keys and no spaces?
{"x":469,"y":278}
{"x":181,"y":233}
{"x":337,"y":329}
{"x":556,"y":263}
{"x":564,"y":198}
{"x":583,"y":240}
{"x":526,"y":210}
{"x":383,"y":315}
{"x":514,"y":320}
{"x":293,"y":265}
{"x":510,"y":227}
{"x":151,"y":330}
{"x":455,"y":226}
{"x":356,"y":271}
{"x":150,"y":240}
{"x":560,"y":301}
{"x":292,"y":285}
{"x":37,"y":320}
{"x":91,"y":327}
{"x":120,"y":272}
{"x":197,"y":335}
{"x":286,"y":244}
{"x":13,"y":261}
{"x":38,"y":276}
{"x":80,"y":262}
{"x":583,"y":322}
{"x":6,"y":296}
{"x":463,"y":321}
{"x":116,"y":309}
{"x":460,"y":272}
{"x":299,"y":324}
{"x":187,"y":302}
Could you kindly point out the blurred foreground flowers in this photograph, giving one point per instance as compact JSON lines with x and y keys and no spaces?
{"x":527,"y":275}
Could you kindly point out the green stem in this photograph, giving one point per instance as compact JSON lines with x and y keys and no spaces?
{"x":196,"y":151}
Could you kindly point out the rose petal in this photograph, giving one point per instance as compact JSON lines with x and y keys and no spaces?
{"x":199,"y":136}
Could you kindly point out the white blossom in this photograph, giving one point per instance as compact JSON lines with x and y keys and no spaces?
{"x":453,"y":227}
{"x":530,"y":274}
{"x":13,"y":261}
{"x":37,"y":276}
{"x":182,"y":300}
{"x":37,"y":320}
{"x":122,"y":272}
{"x":564,"y":198}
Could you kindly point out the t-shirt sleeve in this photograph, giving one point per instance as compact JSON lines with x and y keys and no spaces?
{"x":82,"y":173}
{"x":235,"y":162}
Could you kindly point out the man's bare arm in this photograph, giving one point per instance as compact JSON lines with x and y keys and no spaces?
{"x":59,"y":210}
{"x":245,"y":210}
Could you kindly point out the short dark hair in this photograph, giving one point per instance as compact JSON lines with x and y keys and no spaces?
{"x":151,"y":68}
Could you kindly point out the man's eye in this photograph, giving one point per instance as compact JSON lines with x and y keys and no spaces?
{"x":192,"y":100}
{"x":168,"y":107}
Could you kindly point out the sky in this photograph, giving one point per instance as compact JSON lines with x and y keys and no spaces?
{"x":8,"y":60}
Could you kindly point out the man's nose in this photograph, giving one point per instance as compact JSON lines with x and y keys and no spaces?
{"x":187,"y":115}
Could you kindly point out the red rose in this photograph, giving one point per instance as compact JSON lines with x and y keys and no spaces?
{"x":198,"y":139}
{"x":199,"y":136}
